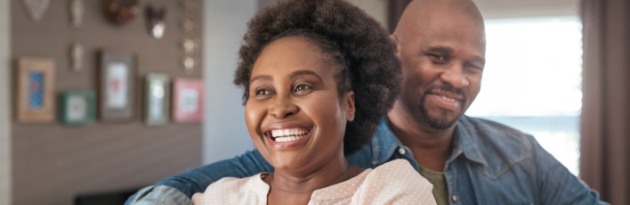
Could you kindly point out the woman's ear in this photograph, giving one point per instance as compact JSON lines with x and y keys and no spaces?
{"x":348,"y":104}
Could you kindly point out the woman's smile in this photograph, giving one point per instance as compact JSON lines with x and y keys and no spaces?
{"x":287,"y":138}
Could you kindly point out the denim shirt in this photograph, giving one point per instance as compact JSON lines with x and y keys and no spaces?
{"x":490,"y":164}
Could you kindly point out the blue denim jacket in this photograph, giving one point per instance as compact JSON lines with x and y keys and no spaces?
{"x":490,"y":164}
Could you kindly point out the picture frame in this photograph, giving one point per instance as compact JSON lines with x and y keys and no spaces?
{"x":156,"y":99}
{"x":188,"y":100}
{"x":77,"y":107}
{"x":116,"y":86}
{"x":35,"y":89}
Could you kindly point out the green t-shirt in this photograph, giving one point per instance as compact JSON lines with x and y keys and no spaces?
{"x":439,"y":185}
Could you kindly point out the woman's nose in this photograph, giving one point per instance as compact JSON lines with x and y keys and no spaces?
{"x":282,"y":107}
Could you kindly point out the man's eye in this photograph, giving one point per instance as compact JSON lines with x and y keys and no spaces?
{"x":438,"y":59}
{"x":473,"y":68}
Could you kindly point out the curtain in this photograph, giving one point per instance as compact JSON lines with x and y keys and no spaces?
{"x":605,"y":119}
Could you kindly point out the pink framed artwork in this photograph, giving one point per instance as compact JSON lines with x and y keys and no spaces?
{"x":188,"y":100}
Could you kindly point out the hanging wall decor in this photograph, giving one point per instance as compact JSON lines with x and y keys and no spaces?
{"x":116,"y":97}
{"x":188,"y":100}
{"x":76,"y":12}
{"x":121,"y":11}
{"x":189,"y":45}
{"x":155,"y":18}
{"x":188,"y":26}
{"x":77,"y":107}
{"x":36,"y":87}
{"x":157,"y":92}
{"x":76,"y":57}
{"x":36,"y":8}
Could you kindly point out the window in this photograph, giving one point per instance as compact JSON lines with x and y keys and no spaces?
{"x":532,"y":81}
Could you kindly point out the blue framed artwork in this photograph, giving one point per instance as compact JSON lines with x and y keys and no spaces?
{"x":36,"y":86}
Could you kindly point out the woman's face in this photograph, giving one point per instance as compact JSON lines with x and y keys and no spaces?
{"x":294,"y":113}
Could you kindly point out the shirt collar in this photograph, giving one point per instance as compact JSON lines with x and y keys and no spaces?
{"x":465,"y":141}
{"x":384,"y":146}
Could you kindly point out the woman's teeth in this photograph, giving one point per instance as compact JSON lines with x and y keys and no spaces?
{"x":288,"y":135}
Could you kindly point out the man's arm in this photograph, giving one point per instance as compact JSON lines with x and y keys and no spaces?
{"x":178,"y":189}
{"x":557,"y":185}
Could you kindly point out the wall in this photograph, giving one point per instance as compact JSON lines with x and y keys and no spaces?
{"x":530,"y":8}
{"x":265,"y":3}
{"x":375,"y":8}
{"x":52,"y":163}
{"x":5,"y":124}
{"x":225,"y":133}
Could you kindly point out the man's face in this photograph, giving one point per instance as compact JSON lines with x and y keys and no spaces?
{"x":443,"y":56}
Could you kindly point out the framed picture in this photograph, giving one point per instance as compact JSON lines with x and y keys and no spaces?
{"x":77,"y":107}
{"x":188,"y":100}
{"x":156,"y":98}
{"x":116,"y":89}
{"x":36,"y":86}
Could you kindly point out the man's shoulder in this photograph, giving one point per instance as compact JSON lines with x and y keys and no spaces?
{"x":488,"y":131}
{"x":499,"y":144}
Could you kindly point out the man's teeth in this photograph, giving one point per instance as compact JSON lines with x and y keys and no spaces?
{"x":288,"y":135}
{"x":448,"y":99}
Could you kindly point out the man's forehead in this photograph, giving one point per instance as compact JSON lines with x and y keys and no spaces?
{"x":420,"y":10}
{"x":421,"y":16}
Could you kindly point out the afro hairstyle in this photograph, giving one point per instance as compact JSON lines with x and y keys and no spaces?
{"x":371,"y":68}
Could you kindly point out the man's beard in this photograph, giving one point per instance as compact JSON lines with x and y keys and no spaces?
{"x":440,"y":122}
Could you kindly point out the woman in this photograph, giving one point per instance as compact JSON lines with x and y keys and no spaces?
{"x":318,"y":75}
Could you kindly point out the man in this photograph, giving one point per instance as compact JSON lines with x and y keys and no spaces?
{"x":441,"y":44}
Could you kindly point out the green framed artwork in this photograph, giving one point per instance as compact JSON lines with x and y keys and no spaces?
{"x":157,"y":92}
{"x":77,"y":107}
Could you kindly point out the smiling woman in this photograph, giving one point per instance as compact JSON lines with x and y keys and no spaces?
{"x":295,"y":104}
{"x":314,"y":91}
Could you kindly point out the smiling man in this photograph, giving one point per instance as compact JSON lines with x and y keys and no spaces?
{"x":441,"y":45}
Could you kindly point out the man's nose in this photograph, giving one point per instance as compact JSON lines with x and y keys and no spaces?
{"x":455,"y":76}
{"x":282,"y":107}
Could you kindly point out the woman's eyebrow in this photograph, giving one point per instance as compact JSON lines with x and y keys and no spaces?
{"x":304,"y":73}
{"x":261,"y":77}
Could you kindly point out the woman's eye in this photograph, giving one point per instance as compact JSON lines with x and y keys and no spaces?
{"x":302,"y":89}
{"x":262,"y":93}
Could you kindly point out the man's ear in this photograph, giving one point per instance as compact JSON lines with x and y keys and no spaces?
{"x":393,"y":38}
{"x":348,"y":105}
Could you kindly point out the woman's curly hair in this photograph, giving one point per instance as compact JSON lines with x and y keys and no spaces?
{"x":369,"y":65}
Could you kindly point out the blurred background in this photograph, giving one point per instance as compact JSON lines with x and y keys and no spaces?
{"x":534,"y":80}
